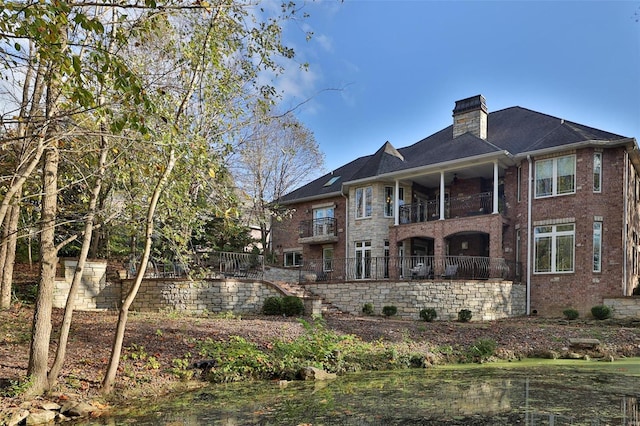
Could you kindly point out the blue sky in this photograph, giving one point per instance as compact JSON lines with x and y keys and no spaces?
{"x":392,"y":70}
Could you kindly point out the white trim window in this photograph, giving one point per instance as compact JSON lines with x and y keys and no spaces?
{"x":554,"y":248}
{"x":597,"y":246}
{"x":327,"y":259}
{"x":597,"y":172}
{"x":363,"y":202}
{"x":292,"y":258}
{"x":389,"y":200}
{"x":556,"y":176}
{"x":323,"y":221}
{"x":363,"y":260}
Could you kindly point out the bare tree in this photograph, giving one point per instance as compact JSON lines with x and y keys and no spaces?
{"x":276,"y":155}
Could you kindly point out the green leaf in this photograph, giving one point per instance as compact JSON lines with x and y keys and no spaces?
{"x":77,"y":65}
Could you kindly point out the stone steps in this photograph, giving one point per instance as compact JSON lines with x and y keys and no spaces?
{"x":298,"y":290}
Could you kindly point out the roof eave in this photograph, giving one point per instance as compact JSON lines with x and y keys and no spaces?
{"x":312,"y":198}
{"x":577,"y":145}
{"x":443,"y":166}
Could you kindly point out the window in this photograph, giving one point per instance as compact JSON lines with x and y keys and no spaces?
{"x":323,"y":222}
{"x":386,"y":258}
{"x":363,"y":259}
{"x":363,"y":202}
{"x":597,"y":246}
{"x":327,"y":259}
{"x":597,"y":172}
{"x":331,"y":181}
{"x":554,"y":248}
{"x":389,"y":199}
{"x":292,"y":258}
{"x":556,"y":176}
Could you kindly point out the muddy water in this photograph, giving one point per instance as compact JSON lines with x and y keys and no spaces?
{"x":521,"y":393}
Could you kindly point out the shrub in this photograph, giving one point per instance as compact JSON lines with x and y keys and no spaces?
{"x":570,"y":314}
{"x":272,"y":306}
{"x":292,"y":306}
{"x":389,"y":310}
{"x":428,"y":314}
{"x":464,"y":315}
{"x":235,"y":360}
{"x":367,"y":309}
{"x":601,"y":312}
{"x":482,"y":350}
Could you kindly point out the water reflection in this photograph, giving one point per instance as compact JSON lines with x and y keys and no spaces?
{"x":571,"y":393}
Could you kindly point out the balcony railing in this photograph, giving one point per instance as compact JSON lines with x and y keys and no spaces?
{"x":322,"y":228}
{"x":411,"y":267}
{"x":464,"y":206}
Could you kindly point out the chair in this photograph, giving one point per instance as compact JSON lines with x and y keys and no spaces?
{"x":420,"y":271}
{"x":450,"y":271}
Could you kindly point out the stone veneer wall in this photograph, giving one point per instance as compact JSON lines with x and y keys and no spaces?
{"x":238,"y":296}
{"x":624,"y":307}
{"x":95,"y":291}
{"x":487,"y":300}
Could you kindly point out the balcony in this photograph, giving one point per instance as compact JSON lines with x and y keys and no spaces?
{"x":464,"y":206}
{"x":411,"y":268}
{"x":318,"y":231}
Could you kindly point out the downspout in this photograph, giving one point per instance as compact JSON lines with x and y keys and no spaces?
{"x":625,"y":218}
{"x":529,"y":198}
{"x":346,"y":228}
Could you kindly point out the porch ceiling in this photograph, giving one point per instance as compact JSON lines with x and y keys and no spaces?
{"x":432,"y":179}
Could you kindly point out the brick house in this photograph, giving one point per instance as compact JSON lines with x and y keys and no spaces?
{"x":510,"y":195}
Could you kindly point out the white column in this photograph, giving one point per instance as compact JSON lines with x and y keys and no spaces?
{"x":495,"y":186}
{"x":396,"y":204}
{"x":441,"y":195}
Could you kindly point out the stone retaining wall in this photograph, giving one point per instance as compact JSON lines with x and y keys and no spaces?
{"x":94,"y":291}
{"x":487,"y":300}
{"x":230,"y":295}
{"x":624,"y":307}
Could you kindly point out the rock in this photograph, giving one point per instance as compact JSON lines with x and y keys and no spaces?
{"x":77,"y":409}
{"x":313,"y":373}
{"x":572,"y":355}
{"x":17,"y":417}
{"x":584,"y":343}
{"x":38,"y":417}
{"x":51,"y":406}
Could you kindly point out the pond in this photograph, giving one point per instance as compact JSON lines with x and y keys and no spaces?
{"x":531,"y":392}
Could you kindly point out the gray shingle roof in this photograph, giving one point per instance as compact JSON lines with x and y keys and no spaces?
{"x":515,"y":130}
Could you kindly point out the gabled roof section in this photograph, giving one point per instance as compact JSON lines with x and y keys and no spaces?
{"x":385,"y":160}
{"x":326,"y":185}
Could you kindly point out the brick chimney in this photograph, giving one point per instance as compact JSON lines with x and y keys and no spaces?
{"x":470,"y":115}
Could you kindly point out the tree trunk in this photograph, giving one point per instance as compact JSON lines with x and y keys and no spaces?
{"x":116,"y":349}
{"x":9,"y":256}
{"x":77,"y":276}
{"x":39,"y":351}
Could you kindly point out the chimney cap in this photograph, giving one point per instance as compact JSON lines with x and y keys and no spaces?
{"x":470,"y":104}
